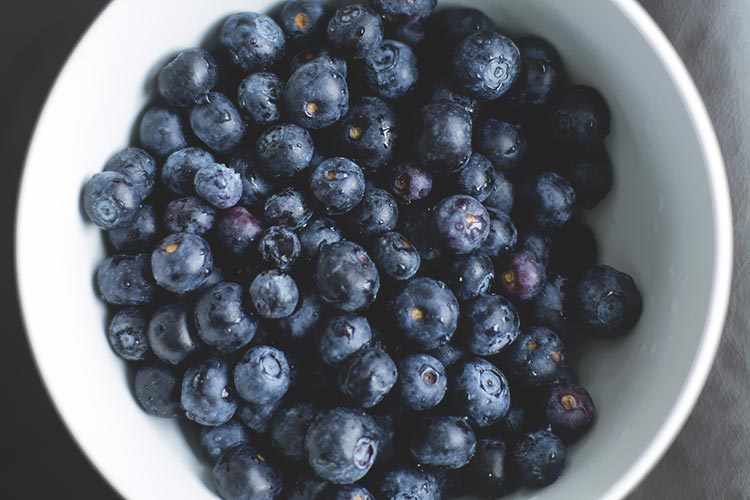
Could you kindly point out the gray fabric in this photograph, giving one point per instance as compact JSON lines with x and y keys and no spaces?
{"x":711,"y":457}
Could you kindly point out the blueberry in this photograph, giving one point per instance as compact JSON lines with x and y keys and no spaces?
{"x":503,"y":144}
{"x":395,"y":256}
{"x":485,"y":65}
{"x":489,"y":323}
{"x":515,"y":423}
{"x":445,"y":90}
{"x":303,"y":20}
{"x":253,"y":41}
{"x":523,"y":276}
{"x":478,"y":390}
{"x":338,"y":185}
{"x":539,"y":458}
{"x":536,"y":244}
{"x":410,"y":183}
{"x":258,"y":418}
{"x":449,"y":27}
{"x":351,"y":492}
{"x":486,"y":472}
{"x":462,"y":224}
{"x":606,"y":302}
{"x":408,"y":483}
{"x":157,"y":390}
{"x":368,"y":376}
{"x":443,"y":137}
{"x":303,"y":322}
{"x":237,"y":232}
{"x":242,"y":473}
{"x":411,"y":33}
{"x":343,"y":335}
{"x":111,"y":201}
{"x":188,"y":77}
{"x":256,"y":188}
{"x":287,"y":208}
{"x":404,"y":10}
{"x":476,"y":179}
{"x":140,"y":236}
{"x":422,"y":381}
{"x":570,"y":411}
{"x":279,"y":247}
{"x":368,"y":133}
{"x":170,"y":333}
{"x":289,"y":427}
{"x":376,"y":214}
{"x":219,"y":185}
{"x":536,"y":358}
{"x":540,"y":76}
{"x":127,"y":334}
{"x":501,"y":197}
{"x":316,"y":234}
{"x":470,"y":276}
{"x":346,"y":276}
{"x":426,"y":313}
{"x":216,"y":440}
{"x":580,"y":118}
{"x":591,"y":176}
{"x":138,"y":166}
{"x":448,"y":354}
{"x":316,"y":53}
{"x":274,"y":294}
{"x":502,"y":238}
{"x":126,"y":280}
{"x":262,"y":375}
{"x":217,"y":123}
{"x":221,"y":319}
{"x":182,"y":262}
{"x":550,"y":307}
{"x":178,"y":172}
{"x":189,"y":215}
{"x":259,"y":96}
{"x":391,"y":70}
{"x":316,"y":95}
{"x":207,"y":393}
{"x":342,"y":445}
{"x":547,"y":201}
{"x":573,"y":249}
{"x":308,"y":486}
{"x":355,"y":31}
{"x":443,"y":442}
{"x":284,"y":150}
{"x":161,"y":131}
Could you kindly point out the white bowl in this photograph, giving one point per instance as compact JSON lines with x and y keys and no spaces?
{"x":668,"y":223}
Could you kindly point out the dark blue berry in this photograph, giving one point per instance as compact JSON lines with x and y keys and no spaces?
{"x":540,"y":76}
{"x":395,"y":256}
{"x":486,"y":473}
{"x":279,"y":247}
{"x":258,"y":418}
{"x":315,"y":53}
{"x":140,"y":236}
{"x":516,"y":422}
{"x":485,"y":65}
{"x":182,"y":262}
{"x":351,"y":492}
{"x":580,"y":118}
{"x":216,"y":440}
{"x":523,"y":276}
{"x":539,"y":458}
{"x":170,"y":333}
{"x":408,"y":483}
{"x":303,"y":322}
{"x":111,"y":201}
{"x":501,"y":197}
{"x":448,"y":354}
{"x":317,"y":233}
{"x":138,"y":166}
{"x":606,"y":302}
{"x":217,"y":123}
{"x":443,"y":442}
{"x":391,"y":70}
{"x":346,"y":276}
{"x":445,"y":90}
{"x":404,"y":10}
{"x":547,"y":201}
{"x":316,"y":95}
{"x":342,"y":445}
{"x":188,"y":77}
{"x":462,"y":224}
{"x":536,"y":244}
{"x":221,"y":319}
{"x":237,"y":232}
{"x":476,"y":178}
{"x":410,"y":183}
{"x":284,"y":150}
{"x":189,"y":215}
{"x":368,"y":133}
{"x":442,"y":141}
{"x":422,"y":381}
{"x":355,"y":31}
{"x":259,"y":98}
{"x":338,"y":185}
{"x":376,"y":214}
{"x":287,"y":208}
{"x":242,"y":473}
{"x":569,"y":411}
{"x":161,"y":131}
{"x":503,"y":144}
{"x":178,"y":172}
{"x":127,"y":334}
{"x":262,"y":375}
{"x":253,"y":41}
{"x":274,"y":294}
{"x":368,"y":376}
{"x":502,"y":237}
{"x":479,"y":391}
{"x":343,"y":335}
{"x":289,"y":427}
{"x":426,"y":313}
{"x":157,"y":389}
{"x":207,"y":393}
{"x":470,"y":276}
{"x":489,"y":323}
{"x":126,"y":280}
{"x":591,"y":176}
{"x":411,"y":33}
{"x":550,"y":307}
{"x":536,"y":359}
{"x":308,"y":486}
{"x":449,"y":27}
{"x":303,"y":20}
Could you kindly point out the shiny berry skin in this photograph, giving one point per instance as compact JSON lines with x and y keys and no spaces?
{"x":217,"y":123}
{"x":443,"y":137}
{"x":376,"y":214}
{"x":258,"y":418}
{"x":502,"y":238}
{"x":287,"y":208}
{"x":448,"y":27}
{"x":171,"y":333}
{"x":489,"y":323}
{"x":241,"y":472}
{"x":478,"y":390}
{"x":207,"y":393}
{"x":237,"y":232}
{"x":351,"y":492}
{"x":140,"y":236}
{"x":303,"y":322}
{"x":580,"y":118}
{"x":138,"y":166}
{"x":316,"y":234}
{"x":485,"y":65}
{"x":178,"y":172}
{"x":476,"y":178}
{"x":391,"y":70}
{"x":126,"y":280}
{"x":354,"y":31}
{"x":368,"y":376}
{"x":319,"y":54}
{"x":259,"y":98}
{"x":408,"y":483}
{"x":503,"y":144}
{"x":346,"y":276}
{"x":606,"y":302}
{"x":182,"y":262}
{"x":289,"y":427}
{"x":536,"y":359}
{"x":540,"y":77}
{"x":470,"y":276}
{"x":443,"y":442}
{"x":216,"y":440}
{"x":536,"y":243}
{"x":254,"y":42}
{"x":539,"y":458}
{"x":188,"y":77}
{"x":395,"y":256}
{"x":274,"y":294}
{"x":189,"y":215}
{"x":316,"y":95}
{"x":410,"y":183}
{"x":591,"y":176}
{"x":221,"y":319}
{"x":157,"y":390}
{"x":262,"y":375}
{"x":338,"y":185}
{"x":547,"y":201}
{"x":219,"y":185}
{"x":422,"y":381}
{"x":445,"y":90}
{"x":368,"y":133}
{"x":127,"y":334}
{"x":279,"y":247}
{"x":303,"y":20}
{"x":523,"y":276}
{"x":401,"y":11}
{"x":343,"y":335}
{"x":550,"y":307}
{"x":486,"y":473}
{"x":161,"y":131}
{"x":462,"y":224}
{"x":569,"y":411}
{"x":426,"y":313}
{"x":111,"y":200}
{"x":502,"y":194}
{"x":284,"y":150}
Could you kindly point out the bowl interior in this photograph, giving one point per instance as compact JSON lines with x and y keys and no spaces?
{"x":658,"y":225}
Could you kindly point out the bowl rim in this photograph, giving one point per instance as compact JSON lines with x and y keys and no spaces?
{"x":722,"y":266}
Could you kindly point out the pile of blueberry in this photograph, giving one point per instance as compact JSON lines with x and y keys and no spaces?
{"x":347,"y":249}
